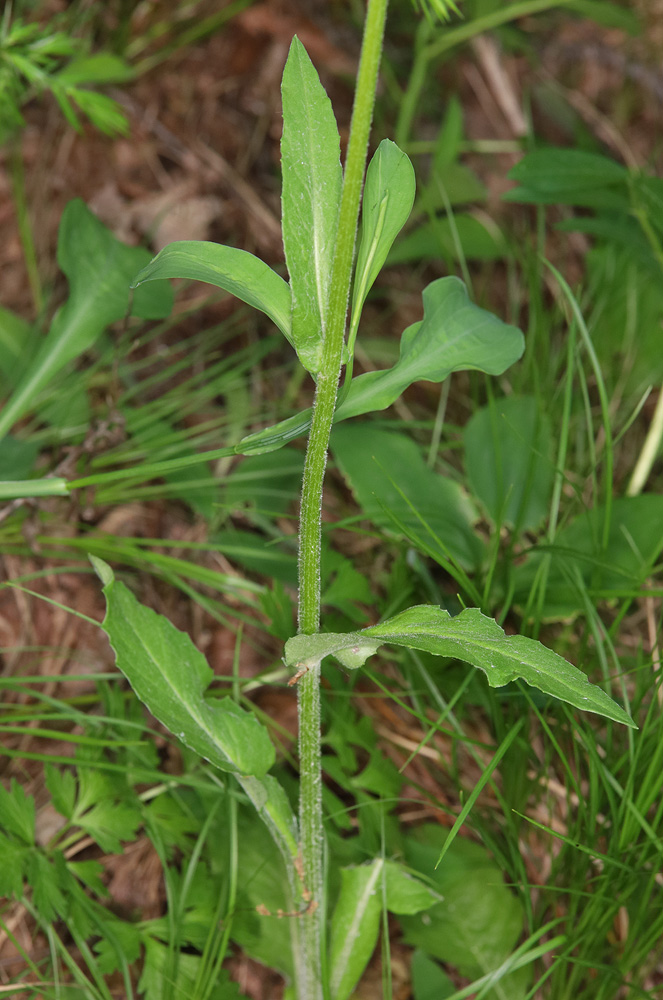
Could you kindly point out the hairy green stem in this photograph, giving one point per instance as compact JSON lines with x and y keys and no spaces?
{"x":310,"y":979}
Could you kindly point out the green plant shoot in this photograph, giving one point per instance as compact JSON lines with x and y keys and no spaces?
{"x":320,"y":216}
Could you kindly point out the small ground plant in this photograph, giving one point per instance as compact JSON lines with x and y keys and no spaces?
{"x":323,"y":915}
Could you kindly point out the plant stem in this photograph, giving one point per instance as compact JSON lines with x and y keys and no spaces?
{"x":310,"y":982}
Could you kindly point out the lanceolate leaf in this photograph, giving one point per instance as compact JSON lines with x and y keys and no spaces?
{"x":275,"y":437}
{"x":99,"y":269}
{"x":312,"y":181}
{"x":170,"y":676}
{"x":469,"y":636}
{"x":570,"y":177}
{"x":355,"y":926}
{"x":236,"y":271}
{"x":509,"y":461}
{"x":395,"y":487}
{"x":386,"y":205}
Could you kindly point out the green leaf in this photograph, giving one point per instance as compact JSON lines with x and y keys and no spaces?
{"x":312,"y":182}
{"x":454,"y":184}
{"x":478,"y":924}
{"x":14,"y":863}
{"x":258,"y":554}
{"x":275,"y":437}
{"x":18,"y":343}
{"x":429,"y":982}
{"x":399,"y":492}
{"x":474,"y":638}
{"x":47,"y":879}
{"x":273,"y":806}
{"x":236,"y":271}
{"x":99,"y":269}
{"x":387,"y":202}
{"x":265,"y":483}
{"x":90,"y":873}
{"x":170,"y":676}
{"x":569,"y":177}
{"x":454,"y":335}
{"x":262,"y":882}
{"x":619,"y":229}
{"x":61,"y":784}
{"x":580,"y":565}
{"x":103,"y":67}
{"x":405,"y":893}
{"x":109,"y":823}
{"x":120,"y":944}
{"x":104,"y":113}
{"x":17,"y":460}
{"x":166,"y":974}
{"x":509,"y":461}
{"x":354,"y":926}
{"x":436,"y":239}
{"x":636,"y":369}
{"x":449,"y":138}
{"x":105,"y":805}
{"x":17,"y":812}
{"x":609,"y":14}
{"x":343,"y":586}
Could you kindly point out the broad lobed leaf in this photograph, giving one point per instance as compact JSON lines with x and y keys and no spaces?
{"x":454,"y":335}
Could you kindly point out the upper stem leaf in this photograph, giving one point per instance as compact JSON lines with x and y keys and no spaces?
{"x":236,"y":271}
{"x":388,"y":198}
{"x":312,"y":182}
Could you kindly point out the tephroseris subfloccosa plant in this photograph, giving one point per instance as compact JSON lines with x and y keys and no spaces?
{"x":320,"y":209}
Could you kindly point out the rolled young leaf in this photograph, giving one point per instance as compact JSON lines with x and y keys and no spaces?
{"x":386,"y":205}
{"x":170,"y":676}
{"x":469,"y":636}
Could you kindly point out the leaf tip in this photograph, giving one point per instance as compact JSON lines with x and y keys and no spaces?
{"x":102,"y":569}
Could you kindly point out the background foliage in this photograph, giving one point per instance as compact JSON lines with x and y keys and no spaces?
{"x":131,"y":867}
